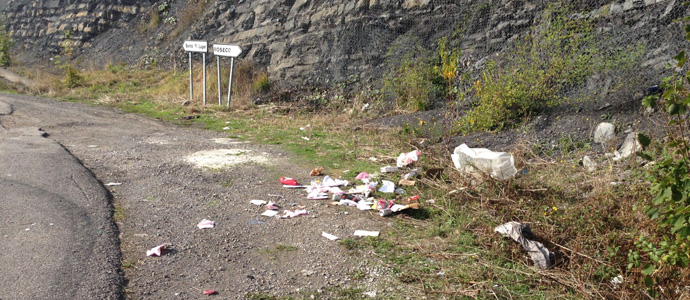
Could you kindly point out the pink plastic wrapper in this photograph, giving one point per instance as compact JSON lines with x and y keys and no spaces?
{"x":204,"y":224}
{"x":363,"y":175}
{"x":155,"y":251}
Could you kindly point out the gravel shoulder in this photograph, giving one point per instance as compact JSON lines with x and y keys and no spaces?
{"x":161,"y":197}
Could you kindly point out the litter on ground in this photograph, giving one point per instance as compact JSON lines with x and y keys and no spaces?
{"x":316,"y":171}
{"x":329,"y":236}
{"x":204,"y":224}
{"x":156,"y":251}
{"x":407,"y":158}
{"x":541,"y":256}
{"x":366,"y":233}
{"x":291,"y":214}
{"x":270,"y":213}
{"x":209,"y":292}
{"x":499,"y":165}
{"x":257,"y":202}
{"x":288,"y":181}
{"x":389,"y":169}
{"x":387,"y":186}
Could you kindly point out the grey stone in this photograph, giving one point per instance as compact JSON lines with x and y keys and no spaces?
{"x":5,"y":108}
{"x":604,"y":132}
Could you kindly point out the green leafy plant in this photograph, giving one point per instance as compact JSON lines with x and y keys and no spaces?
{"x":414,"y":83}
{"x":669,"y":177}
{"x":72,"y":78}
{"x":448,"y":68}
{"x":557,"y":56}
{"x":6,"y":44}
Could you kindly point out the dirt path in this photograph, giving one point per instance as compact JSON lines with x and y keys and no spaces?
{"x":161,"y":197}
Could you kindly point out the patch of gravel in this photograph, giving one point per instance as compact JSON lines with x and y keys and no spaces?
{"x":163,"y":196}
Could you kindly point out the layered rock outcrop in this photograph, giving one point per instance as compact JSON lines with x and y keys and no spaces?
{"x":324,"y":41}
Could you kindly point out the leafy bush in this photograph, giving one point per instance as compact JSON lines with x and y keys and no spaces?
{"x":414,"y":84}
{"x":670,"y":180}
{"x":558,"y":56}
{"x":6,"y":44}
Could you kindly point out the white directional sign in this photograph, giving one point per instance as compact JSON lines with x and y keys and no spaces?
{"x":227,"y":50}
{"x":195,"y":46}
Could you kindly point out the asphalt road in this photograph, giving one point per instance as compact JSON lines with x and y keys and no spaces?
{"x":57,"y":238}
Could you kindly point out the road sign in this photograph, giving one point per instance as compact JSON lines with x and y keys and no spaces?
{"x":227,"y":50}
{"x":195,"y":46}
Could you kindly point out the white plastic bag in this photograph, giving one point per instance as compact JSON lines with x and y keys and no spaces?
{"x":499,"y":165}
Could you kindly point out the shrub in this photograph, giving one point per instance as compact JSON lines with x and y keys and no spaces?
{"x":414,"y":84}
{"x":670,"y":180}
{"x":558,"y":56}
{"x":6,"y":44}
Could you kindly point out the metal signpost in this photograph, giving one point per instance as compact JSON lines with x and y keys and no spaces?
{"x":231,"y":51}
{"x":190,"y":47}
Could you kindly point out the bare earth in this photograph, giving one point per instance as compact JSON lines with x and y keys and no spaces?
{"x":171,"y":177}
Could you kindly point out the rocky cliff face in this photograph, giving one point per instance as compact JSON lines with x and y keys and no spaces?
{"x":39,"y":26}
{"x":324,"y":41}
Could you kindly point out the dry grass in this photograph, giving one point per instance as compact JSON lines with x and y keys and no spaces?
{"x":448,"y":248}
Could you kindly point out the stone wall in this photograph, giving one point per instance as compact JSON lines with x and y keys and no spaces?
{"x":321,"y":41}
{"x":40,"y":26}
{"x":325,"y":41}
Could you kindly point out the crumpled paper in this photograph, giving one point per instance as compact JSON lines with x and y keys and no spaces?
{"x":541,"y":256}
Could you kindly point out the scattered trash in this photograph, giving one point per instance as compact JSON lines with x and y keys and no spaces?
{"x":499,"y":165}
{"x":271,"y":205}
{"x":541,"y":256}
{"x":389,"y":169}
{"x":329,"y":236}
{"x":156,"y":251}
{"x":189,"y":117}
{"x":226,"y":128}
{"x":316,"y":171}
{"x":305,"y":127}
{"x":288,"y":181}
{"x":387,"y":186}
{"x":407,"y":158}
{"x":366,"y":233}
{"x":373,"y":158}
{"x":431,"y":201}
{"x":615,"y":281}
{"x":434,"y":173}
{"x":305,"y":138}
{"x":399,"y":191}
{"x":113,"y":183}
{"x":362,"y":176}
{"x":270,"y":213}
{"x":385,"y":212}
{"x":204,"y":224}
{"x":406,"y":182}
{"x":413,"y":173}
{"x":256,"y":222}
{"x":209,"y":292}
{"x":413,"y":198}
{"x":292,"y":214}
{"x":257,"y":202}
{"x":328,"y":181}
{"x":383,"y":204}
